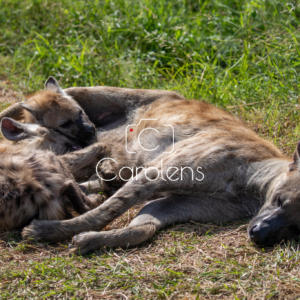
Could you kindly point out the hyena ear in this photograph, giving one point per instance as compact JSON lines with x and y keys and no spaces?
{"x":31,"y":108}
{"x":52,"y":85}
{"x":13,"y":130}
{"x":296,"y":155}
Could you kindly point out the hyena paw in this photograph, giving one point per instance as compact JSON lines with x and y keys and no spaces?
{"x":41,"y":230}
{"x":96,"y":199}
{"x":84,"y":243}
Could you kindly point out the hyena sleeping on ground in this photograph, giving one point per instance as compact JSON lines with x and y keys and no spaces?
{"x":54,"y":109}
{"x":107,"y":107}
{"x":78,"y":160}
{"x":36,"y":137}
{"x":213,"y":169}
{"x":36,"y":184}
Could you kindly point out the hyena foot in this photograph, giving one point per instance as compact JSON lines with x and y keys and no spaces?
{"x":52,"y":231}
{"x":36,"y":230}
{"x":124,"y":238}
{"x":96,"y":199}
{"x":82,"y":243}
{"x":93,"y":185}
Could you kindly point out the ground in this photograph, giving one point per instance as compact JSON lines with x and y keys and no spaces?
{"x":242,"y":56}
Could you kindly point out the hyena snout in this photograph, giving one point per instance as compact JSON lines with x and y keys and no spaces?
{"x":89,"y":129}
{"x":86,"y":131}
{"x":273,"y":227}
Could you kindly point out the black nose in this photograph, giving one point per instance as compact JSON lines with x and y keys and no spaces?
{"x":258,"y":235}
{"x":252,"y":233}
{"x":89,"y":128}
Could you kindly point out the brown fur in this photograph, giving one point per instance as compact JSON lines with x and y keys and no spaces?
{"x":36,"y":184}
{"x":242,"y":172}
{"x":36,"y":137}
{"x":54,"y":109}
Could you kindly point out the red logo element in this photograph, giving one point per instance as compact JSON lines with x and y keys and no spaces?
{"x":130,"y":129}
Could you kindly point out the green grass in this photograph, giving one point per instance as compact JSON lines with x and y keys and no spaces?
{"x":224,"y":51}
{"x":240,"y":55}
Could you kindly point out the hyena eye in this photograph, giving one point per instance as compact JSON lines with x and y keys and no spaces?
{"x":66,"y":124}
{"x":279,"y":201}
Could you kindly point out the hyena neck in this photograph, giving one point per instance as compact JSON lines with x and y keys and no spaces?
{"x":263,"y":176}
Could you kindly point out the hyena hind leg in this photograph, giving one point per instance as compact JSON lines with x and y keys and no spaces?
{"x":154,"y":216}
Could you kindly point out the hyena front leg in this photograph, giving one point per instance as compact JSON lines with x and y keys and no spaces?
{"x":154,"y":216}
{"x":130,"y":194}
{"x":89,"y":156}
{"x":201,"y":207}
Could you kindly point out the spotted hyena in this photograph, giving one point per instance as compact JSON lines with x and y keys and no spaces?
{"x":37,"y":184}
{"x":209,"y":168}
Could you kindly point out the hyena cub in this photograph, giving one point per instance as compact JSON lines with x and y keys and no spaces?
{"x":80,"y":161}
{"x":53,"y":108}
{"x":36,"y":184}
{"x":36,"y":137}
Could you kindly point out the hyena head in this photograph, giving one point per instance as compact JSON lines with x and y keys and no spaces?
{"x":37,"y":137}
{"x":54,"y":109}
{"x":279,"y":218}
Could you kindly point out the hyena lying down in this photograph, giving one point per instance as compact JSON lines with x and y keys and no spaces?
{"x":54,"y":109}
{"x":214,"y":169}
{"x":107,"y":107}
{"x":36,"y":184}
{"x":79,"y":161}
{"x":36,"y":137}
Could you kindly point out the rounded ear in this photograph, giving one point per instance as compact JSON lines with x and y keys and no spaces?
{"x":296,"y":155}
{"x":31,"y":108}
{"x":52,"y":85}
{"x":14,"y":111}
{"x":13,"y":130}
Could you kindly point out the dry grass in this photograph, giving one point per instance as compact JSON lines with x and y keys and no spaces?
{"x":186,"y":261}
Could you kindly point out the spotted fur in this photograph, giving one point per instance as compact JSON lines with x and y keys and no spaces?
{"x":35,"y":184}
{"x":243,"y":173}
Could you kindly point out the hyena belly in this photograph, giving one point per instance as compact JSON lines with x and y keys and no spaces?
{"x":36,"y":185}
